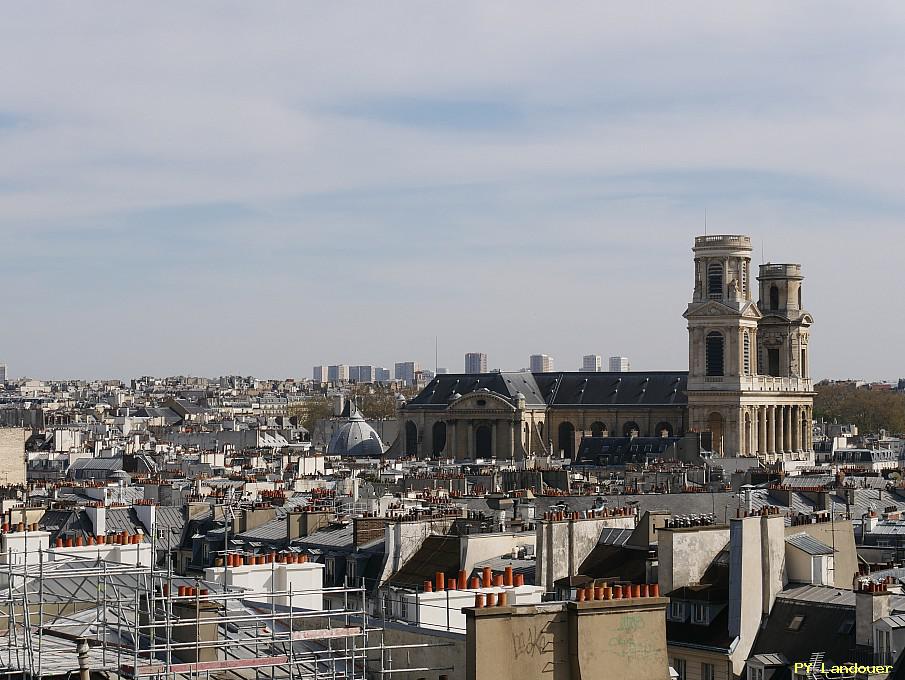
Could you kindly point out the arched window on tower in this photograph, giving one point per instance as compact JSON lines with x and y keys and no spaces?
{"x":745,"y":279}
{"x":746,"y":353}
{"x":774,"y":297}
{"x":715,"y":281}
{"x":799,"y":297}
{"x":714,"y":353}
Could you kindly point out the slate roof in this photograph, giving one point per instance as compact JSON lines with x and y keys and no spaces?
{"x":622,"y":450}
{"x":562,"y":389}
{"x":619,"y":389}
{"x":437,"y":553}
{"x":439,"y":391}
{"x":808,"y":544}
{"x":616,"y":561}
{"x":824,"y":628}
{"x":331,"y":537}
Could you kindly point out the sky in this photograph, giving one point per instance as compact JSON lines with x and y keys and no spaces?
{"x":215,"y":188}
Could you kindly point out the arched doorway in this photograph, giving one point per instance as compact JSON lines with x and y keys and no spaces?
{"x":630,"y":428}
{"x":715,"y":425}
{"x":566,"y":439}
{"x":663,"y":429}
{"x":438,"y":438}
{"x":411,"y":439}
{"x":598,"y":428}
{"x":483,"y":442}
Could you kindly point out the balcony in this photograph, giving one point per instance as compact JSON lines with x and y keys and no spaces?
{"x":723,"y":241}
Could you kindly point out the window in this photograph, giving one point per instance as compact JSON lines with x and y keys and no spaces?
{"x":677,"y":611}
{"x":773,"y":362}
{"x":715,"y":281}
{"x":706,"y":671}
{"x":699,"y":613}
{"x":757,"y":674}
{"x":403,"y":607}
{"x":746,"y":353}
{"x":795,"y":623}
{"x":745,"y":278}
{"x":714,"y":353}
{"x":774,"y":298}
{"x":679,"y":667}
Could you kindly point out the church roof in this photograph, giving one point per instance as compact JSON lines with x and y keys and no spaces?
{"x":355,"y":438}
{"x":440,"y":391}
{"x":562,"y":389}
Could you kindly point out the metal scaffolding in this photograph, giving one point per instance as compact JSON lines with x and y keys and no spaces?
{"x":133,"y":621}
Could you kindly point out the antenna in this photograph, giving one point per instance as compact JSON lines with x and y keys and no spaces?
{"x":705,"y":220}
{"x":436,"y":353}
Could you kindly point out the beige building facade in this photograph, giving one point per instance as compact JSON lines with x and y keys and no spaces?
{"x":748,"y":384}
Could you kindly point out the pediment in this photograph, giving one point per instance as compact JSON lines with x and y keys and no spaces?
{"x":473,"y":401}
{"x":713,"y":308}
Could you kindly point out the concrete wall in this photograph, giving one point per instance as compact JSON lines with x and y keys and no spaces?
{"x":12,"y":455}
{"x":684,"y":554}
{"x":569,"y":641}
{"x":474,"y":548}
{"x":404,"y":539}
{"x":841,"y":536}
{"x":562,"y":545}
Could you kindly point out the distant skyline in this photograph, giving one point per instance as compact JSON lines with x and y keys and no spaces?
{"x":225,"y":188}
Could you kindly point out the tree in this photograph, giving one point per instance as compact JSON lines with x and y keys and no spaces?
{"x":311,"y":410}
{"x":871,"y":410}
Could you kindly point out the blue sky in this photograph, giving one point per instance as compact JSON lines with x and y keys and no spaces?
{"x":255,"y":188}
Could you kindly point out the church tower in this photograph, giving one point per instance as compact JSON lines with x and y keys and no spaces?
{"x":733,"y":392}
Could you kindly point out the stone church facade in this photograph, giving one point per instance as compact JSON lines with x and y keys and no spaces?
{"x":748,"y":383}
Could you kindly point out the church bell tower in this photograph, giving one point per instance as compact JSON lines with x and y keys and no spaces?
{"x":748,"y":378}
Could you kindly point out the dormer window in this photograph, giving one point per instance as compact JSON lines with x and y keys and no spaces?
{"x":677,"y":611}
{"x":699,"y":613}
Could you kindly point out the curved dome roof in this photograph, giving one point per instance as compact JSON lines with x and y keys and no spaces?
{"x":355,"y":438}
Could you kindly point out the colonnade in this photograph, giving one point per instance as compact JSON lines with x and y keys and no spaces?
{"x":777,"y":430}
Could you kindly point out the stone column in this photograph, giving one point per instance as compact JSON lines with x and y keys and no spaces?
{"x":788,"y":429}
{"x":796,"y":429}
{"x":513,"y":433}
{"x":494,"y":439}
{"x":808,"y":430}
{"x":771,"y":430}
{"x":762,"y":430}
{"x":470,"y":447}
{"x":780,"y":430}
{"x":451,"y":442}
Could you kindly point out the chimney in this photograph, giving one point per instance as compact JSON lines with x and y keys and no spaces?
{"x":870,"y":521}
{"x":146,"y":511}
{"x":97,"y":513}
{"x":197,"y":623}
{"x":871,"y":604}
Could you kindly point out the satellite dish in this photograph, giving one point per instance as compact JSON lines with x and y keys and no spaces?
{"x":895,"y":475}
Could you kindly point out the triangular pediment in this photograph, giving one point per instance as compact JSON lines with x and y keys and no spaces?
{"x":714,"y":308}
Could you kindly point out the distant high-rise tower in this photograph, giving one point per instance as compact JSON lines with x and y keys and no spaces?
{"x":541,"y":363}
{"x":591,"y":362}
{"x":406,"y":370}
{"x":338,"y":373}
{"x":320,"y":374}
{"x":2,"y":373}
{"x":476,"y":362}
{"x":620,"y":365}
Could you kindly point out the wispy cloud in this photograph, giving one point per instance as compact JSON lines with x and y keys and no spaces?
{"x":201,"y":182}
